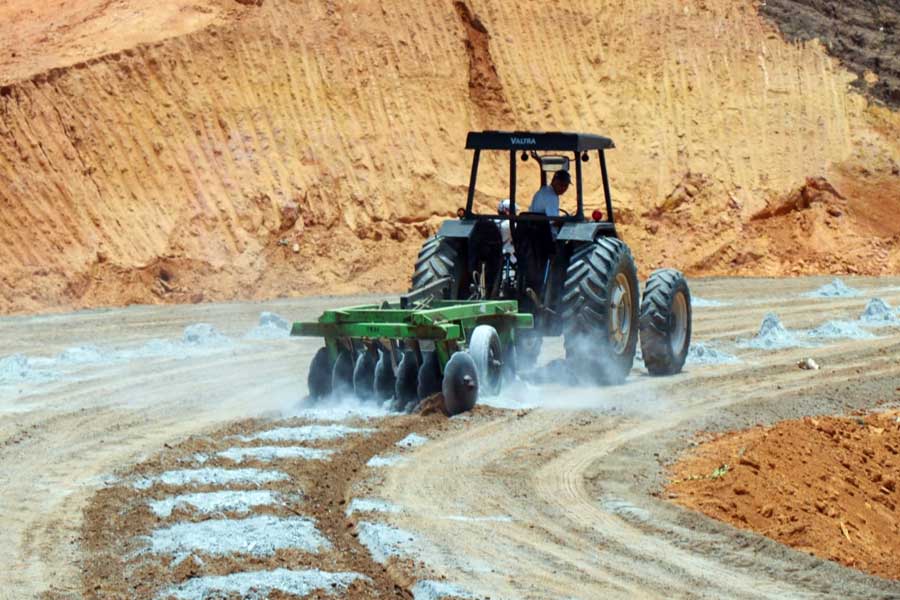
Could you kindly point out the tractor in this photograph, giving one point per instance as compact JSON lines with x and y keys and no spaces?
{"x":476,"y":314}
{"x":572,"y":273}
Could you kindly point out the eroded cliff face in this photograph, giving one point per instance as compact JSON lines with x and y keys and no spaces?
{"x":285,"y":147}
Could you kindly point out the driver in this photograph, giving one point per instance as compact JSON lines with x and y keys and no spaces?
{"x":546,"y":199}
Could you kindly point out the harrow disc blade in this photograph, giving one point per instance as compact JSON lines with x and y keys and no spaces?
{"x":364,"y":376}
{"x":407,"y":381}
{"x":318,"y":381}
{"x":384,"y":377}
{"x":342,"y":375}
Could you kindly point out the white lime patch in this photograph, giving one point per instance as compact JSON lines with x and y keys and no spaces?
{"x":211,"y":476}
{"x":257,"y":585}
{"x":427,"y":589}
{"x":706,"y":354}
{"x":413,"y":440}
{"x":270,"y":453}
{"x":840,"y":330}
{"x":215,"y":502}
{"x":203,"y":334}
{"x":697,"y":302}
{"x":878,"y":312}
{"x":835,"y":289}
{"x":485,"y":519}
{"x":257,"y":536}
{"x":385,"y":461}
{"x":271,"y":327}
{"x":384,"y":541}
{"x":307,"y":433}
{"x":772,"y":335}
{"x":371,"y":505}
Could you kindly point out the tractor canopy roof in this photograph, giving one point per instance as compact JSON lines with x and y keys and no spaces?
{"x":536,"y":140}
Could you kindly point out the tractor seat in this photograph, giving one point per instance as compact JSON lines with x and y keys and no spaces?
{"x":535,"y":246}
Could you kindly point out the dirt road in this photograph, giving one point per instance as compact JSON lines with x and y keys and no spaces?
{"x":551,"y":498}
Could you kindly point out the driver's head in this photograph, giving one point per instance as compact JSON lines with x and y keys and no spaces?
{"x":560,"y":182}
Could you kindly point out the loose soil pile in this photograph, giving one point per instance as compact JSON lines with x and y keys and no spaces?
{"x":826,"y":485}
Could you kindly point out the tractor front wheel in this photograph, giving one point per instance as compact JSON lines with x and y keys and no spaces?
{"x":665,"y":322}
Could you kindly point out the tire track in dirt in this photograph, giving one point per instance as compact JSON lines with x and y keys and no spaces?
{"x":579,"y":486}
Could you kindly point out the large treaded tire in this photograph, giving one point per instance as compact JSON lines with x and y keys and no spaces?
{"x":665,"y":322}
{"x":438,"y":258}
{"x":600,"y":275}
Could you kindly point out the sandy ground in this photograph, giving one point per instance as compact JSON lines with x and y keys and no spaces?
{"x":552,"y":497}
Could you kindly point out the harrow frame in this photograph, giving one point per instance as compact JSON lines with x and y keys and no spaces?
{"x":447,"y":324}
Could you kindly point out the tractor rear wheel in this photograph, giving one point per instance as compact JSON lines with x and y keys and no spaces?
{"x":665,"y":322}
{"x":318,"y":381}
{"x":437,"y":259}
{"x":600,"y":311}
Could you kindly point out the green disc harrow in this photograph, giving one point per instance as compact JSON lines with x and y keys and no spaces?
{"x":413,"y":349}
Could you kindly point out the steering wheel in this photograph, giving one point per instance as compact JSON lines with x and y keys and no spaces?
{"x":565,"y":212}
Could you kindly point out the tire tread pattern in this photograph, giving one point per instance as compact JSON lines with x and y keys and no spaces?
{"x":656,"y":308}
{"x":585,"y":302}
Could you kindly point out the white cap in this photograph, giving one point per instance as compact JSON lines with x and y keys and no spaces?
{"x":503,"y":206}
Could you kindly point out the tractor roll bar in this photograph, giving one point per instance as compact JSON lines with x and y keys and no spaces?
{"x":579,"y":188}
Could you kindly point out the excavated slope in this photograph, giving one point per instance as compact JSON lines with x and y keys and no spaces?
{"x":191,"y":166}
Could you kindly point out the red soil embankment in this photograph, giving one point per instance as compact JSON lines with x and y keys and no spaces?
{"x":825,"y":485}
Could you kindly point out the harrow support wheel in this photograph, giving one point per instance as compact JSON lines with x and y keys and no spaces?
{"x":460,"y":386}
{"x":318,"y":380}
{"x":486,"y":352}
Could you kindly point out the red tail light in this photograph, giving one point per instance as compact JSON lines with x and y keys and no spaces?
{"x":597,"y":215}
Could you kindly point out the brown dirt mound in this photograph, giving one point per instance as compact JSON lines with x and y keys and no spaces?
{"x":826,"y":485}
